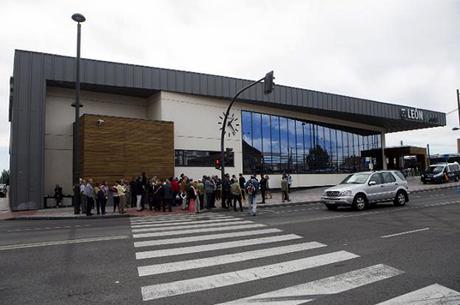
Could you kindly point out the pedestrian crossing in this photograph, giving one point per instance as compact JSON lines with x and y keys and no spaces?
{"x":178,"y":256}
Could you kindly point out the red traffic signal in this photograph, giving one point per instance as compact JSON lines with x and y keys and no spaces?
{"x":217,"y":164}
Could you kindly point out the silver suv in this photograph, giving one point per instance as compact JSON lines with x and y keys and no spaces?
{"x":359,"y":190}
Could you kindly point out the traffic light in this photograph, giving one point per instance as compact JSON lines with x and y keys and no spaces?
{"x":217,"y":164}
{"x":268,"y":82}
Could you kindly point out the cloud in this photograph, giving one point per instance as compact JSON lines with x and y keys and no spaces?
{"x":403,"y":52}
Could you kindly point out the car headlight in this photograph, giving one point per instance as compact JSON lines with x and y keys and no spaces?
{"x":346,"y":193}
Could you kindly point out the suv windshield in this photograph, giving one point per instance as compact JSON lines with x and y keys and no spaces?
{"x":435,"y":169}
{"x":359,"y":178}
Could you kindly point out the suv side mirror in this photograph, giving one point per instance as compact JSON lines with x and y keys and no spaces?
{"x":372,"y":182}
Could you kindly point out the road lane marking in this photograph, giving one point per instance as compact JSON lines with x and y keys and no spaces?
{"x":404,"y":233}
{"x":182,"y":219}
{"x":207,"y":230}
{"x":242,"y":276}
{"x":303,"y":293}
{"x":62,"y":242}
{"x":177,"y":217}
{"x":153,"y":224}
{"x":217,"y":246}
{"x":430,"y":295}
{"x":180,"y":240}
{"x":225,"y":259}
{"x":193,"y":226}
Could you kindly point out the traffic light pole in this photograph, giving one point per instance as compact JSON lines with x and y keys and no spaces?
{"x":268,"y":89}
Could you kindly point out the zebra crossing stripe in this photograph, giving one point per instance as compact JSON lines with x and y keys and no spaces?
{"x":192,"y":231}
{"x":429,"y":295}
{"x":307,"y":292}
{"x":154,"y":224}
{"x":178,"y":219}
{"x":180,"y":240}
{"x":225,"y":259}
{"x":193,"y":226}
{"x":242,"y":276}
{"x":216,"y":246}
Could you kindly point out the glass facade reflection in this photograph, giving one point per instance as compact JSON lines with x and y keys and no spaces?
{"x":275,"y":144}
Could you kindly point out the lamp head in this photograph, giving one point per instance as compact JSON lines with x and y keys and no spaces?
{"x":78,"y":17}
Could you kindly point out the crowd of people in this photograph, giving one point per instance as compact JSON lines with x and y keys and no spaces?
{"x":162,"y":194}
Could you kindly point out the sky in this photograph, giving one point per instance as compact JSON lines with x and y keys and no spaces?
{"x":402,"y":52}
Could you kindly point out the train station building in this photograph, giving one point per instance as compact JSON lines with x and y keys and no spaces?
{"x":166,"y":122}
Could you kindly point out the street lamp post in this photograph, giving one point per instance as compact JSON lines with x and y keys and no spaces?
{"x":268,"y":88}
{"x":79,"y":18}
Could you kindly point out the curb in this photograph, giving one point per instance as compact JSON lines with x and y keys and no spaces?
{"x":65,"y":217}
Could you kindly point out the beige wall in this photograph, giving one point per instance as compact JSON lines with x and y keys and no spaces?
{"x":58,"y":128}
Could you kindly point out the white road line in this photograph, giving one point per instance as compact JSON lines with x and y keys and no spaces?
{"x":61,"y":242}
{"x":193,"y":226}
{"x":307,"y":292}
{"x":178,"y":217}
{"x":207,"y":230}
{"x":217,"y":246}
{"x":181,"y":219}
{"x":404,"y":233}
{"x":153,"y":224}
{"x":180,"y":240}
{"x":430,"y":295}
{"x":242,"y":276}
{"x":225,"y":259}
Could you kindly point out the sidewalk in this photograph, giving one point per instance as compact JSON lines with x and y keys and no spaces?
{"x":297,"y":197}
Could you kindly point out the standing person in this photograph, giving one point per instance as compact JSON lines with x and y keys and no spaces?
{"x":235,"y":190}
{"x":133,"y":197}
{"x":97,"y":189}
{"x":268,"y":192}
{"x":168,"y":196}
{"x":218,"y":191}
{"x":226,"y":198}
{"x":58,"y":195}
{"x":89,"y":194}
{"x":105,"y":196}
{"x":116,"y":197}
{"x":252,"y":185}
{"x":263,"y":187}
{"x":192,"y":196}
{"x":145,"y":182}
{"x":289,"y":178}
{"x":284,"y":188}
{"x":201,"y":192}
{"x":175,"y":188}
{"x":77,"y":198}
{"x":121,"y":191}
{"x":82,"y":195}
{"x":137,"y":190}
{"x":242,"y":182}
{"x":209,"y":190}
{"x":157,"y":195}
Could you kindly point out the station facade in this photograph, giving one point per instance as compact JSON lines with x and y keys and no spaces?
{"x":165,"y":122}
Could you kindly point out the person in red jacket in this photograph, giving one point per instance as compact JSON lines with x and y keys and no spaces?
{"x":175,"y":189}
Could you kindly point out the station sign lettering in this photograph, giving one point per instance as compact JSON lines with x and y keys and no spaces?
{"x":412,"y":114}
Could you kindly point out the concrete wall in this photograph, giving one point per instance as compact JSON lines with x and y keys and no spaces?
{"x":58,"y":128}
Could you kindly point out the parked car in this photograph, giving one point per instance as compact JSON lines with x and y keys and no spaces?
{"x":441,"y":172}
{"x":2,"y":190}
{"x":360,"y":190}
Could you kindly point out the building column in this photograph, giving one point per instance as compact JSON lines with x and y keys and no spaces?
{"x":384,"y":159}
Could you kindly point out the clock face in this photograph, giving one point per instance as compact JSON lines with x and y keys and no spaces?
{"x":232,"y":125}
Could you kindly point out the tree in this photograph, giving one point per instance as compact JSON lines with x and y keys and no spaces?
{"x":5,"y":177}
{"x":318,"y":158}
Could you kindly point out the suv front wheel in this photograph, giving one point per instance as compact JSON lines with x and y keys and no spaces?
{"x":400,"y":198}
{"x":360,"y":202}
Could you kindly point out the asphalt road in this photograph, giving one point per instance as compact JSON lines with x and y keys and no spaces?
{"x":340,"y":257}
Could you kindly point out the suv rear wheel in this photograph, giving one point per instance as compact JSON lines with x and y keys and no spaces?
{"x":360,"y":202}
{"x":400,"y":198}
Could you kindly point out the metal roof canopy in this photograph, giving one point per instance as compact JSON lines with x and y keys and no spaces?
{"x":33,"y":70}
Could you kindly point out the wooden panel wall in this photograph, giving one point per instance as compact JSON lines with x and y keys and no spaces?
{"x":125,"y":147}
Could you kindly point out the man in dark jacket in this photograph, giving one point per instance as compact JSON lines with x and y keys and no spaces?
{"x":226,"y":194}
{"x":242,"y":182}
{"x":168,"y":195}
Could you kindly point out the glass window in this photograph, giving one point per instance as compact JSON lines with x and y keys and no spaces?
{"x":388,"y":177}
{"x":246,"y":128}
{"x":291,"y":142}
{"x":377,"y":178}
{"x":284,"y":143}
{"x":257,"y":131}
{"x":299,"y":145}
{"x":276,"y":145}
{"x":266,"y":143}
{"x":201,"y":158}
